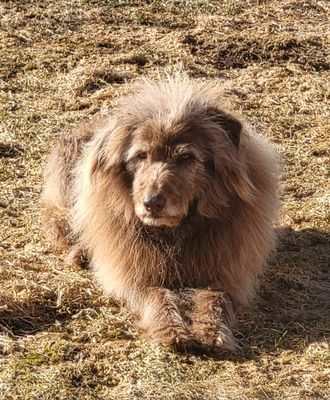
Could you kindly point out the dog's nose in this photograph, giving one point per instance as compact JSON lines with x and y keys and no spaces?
{"x":154,"y":203}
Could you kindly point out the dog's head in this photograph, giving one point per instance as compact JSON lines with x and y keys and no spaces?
{"x":172,"y":147}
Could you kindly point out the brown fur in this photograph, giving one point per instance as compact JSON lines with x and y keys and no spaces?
{"x":173,"y":201}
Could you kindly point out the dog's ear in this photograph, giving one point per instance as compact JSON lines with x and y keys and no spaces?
{"x":226,"y":183}
{"x":106,"y":151}
{"x":229,"y":124}
{"x":226,"y":168}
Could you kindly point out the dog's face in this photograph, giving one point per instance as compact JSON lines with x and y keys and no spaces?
{"x":167,"y":169}
{"x":160,"y":165}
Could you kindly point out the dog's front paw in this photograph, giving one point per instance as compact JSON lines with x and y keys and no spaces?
{"x":216,"y":339}
{"x":211,"y":317}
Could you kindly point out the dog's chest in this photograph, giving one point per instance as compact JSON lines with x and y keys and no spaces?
{"x":181,"y":260}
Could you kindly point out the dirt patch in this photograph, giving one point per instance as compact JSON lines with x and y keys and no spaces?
{"x":100,"y":78}
{"x":10,"y":150}
{"x":240,"y":52}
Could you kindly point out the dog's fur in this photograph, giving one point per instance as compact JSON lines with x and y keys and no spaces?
{"x":188,"y":261}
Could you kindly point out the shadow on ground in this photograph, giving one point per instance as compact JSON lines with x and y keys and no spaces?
{"x":293,"y":306}
{"x":38,"y":314}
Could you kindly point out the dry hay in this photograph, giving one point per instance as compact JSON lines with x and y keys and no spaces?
{"x":64,"y":62}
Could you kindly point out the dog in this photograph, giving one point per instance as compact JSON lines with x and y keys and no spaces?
{"x":172,"y":200}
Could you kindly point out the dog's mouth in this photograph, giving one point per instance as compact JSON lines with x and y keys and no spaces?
{"x":155,"y":220}
{"x":170,"y":216}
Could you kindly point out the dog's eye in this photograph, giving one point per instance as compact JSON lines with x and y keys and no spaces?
{"x":185,"y":157}
{"x":142,"y":155}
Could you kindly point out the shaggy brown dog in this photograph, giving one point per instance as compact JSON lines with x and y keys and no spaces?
{"x":173,"y":200}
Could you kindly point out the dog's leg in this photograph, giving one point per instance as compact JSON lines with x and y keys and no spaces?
{"x":56,"y":226}
{"x":77,"y":257}
{"x":162,"y":320}
{"x":212,"y":316}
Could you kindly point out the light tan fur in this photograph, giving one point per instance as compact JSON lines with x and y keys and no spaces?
{"x":209,"y":228}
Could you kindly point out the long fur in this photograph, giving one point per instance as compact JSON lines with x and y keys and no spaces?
{"x":212,"y":257}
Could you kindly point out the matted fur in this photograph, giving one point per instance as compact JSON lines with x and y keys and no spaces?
{"x":173,"y":200}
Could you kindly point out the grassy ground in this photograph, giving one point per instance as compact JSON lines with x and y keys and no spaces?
{"x":65,"y":61}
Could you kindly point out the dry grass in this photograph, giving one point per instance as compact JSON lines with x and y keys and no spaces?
{"x":63,"y":62}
